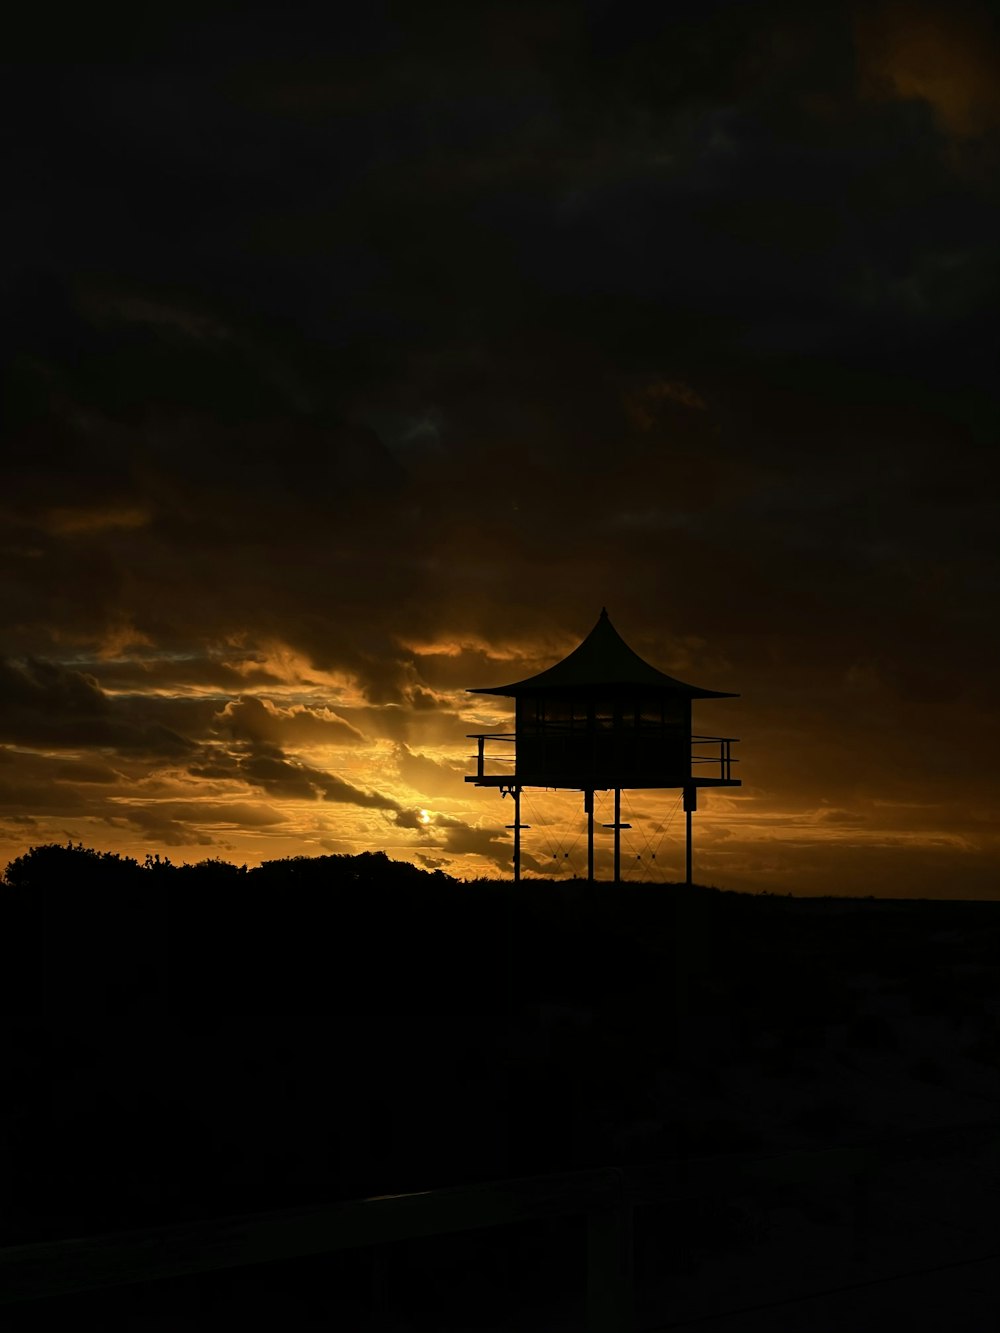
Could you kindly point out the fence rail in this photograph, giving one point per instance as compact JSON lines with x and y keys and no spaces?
{"x":720,"y":749}
{"x":606,"y":1195}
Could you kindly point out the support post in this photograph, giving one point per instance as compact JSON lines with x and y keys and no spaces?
{"x":618,"y":835}
{"x":618,"y":826}
{"x":517,"y":826}
{"x":588,"y":805}
{"x":690,"y":805}
{"x":517,"y":835}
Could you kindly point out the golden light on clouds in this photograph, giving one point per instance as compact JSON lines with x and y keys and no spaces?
{"x":257,"y":771}
{"x":947,"y":56}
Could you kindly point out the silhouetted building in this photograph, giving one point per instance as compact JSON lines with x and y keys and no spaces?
{"x":602,"y":719}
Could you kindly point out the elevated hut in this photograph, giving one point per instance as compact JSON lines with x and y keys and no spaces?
{"x":602,"y":719}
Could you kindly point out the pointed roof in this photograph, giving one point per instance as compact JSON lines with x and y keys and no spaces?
{"x":603,"y":658}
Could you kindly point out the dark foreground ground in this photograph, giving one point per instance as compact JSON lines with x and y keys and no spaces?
{"x":182,"y":1046}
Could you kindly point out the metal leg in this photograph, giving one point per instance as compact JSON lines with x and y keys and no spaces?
{"x":690,"y":805}
{"x":588,"y":800}
{"x":517,"y":835}
{"x":618,"y":835}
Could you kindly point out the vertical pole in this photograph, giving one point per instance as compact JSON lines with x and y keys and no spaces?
{"x":517,"y":835}
{"x":588,"y":803}
{"x":618,"y":835}
{"x":690,"y":804}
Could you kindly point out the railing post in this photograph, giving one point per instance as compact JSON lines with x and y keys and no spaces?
{"x":482,"y":758}
{"x":610,"y":1281}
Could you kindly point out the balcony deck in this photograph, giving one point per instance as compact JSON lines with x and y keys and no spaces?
{"x":718,"y":757}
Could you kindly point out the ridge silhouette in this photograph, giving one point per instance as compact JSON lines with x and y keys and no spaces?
{"x":189,"y":1041}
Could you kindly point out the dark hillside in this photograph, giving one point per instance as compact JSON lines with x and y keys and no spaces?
{"x":182,"y":1041}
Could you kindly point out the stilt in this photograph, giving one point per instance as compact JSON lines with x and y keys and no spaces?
{"x":690,"y":805}
{"x":517,"y":835}
{"x":618,"y":826}
{"x":618,"y":835}
{"x":588,"y":805}
{"x":517,"y":826}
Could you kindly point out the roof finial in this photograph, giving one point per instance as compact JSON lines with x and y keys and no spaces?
{"x":604,"y":613}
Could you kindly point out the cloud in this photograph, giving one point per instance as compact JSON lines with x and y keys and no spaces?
{"x":44,"y":704}
{"x":102,"y":774}
{"x":254,"y":719}
{"x":180,"y":818}
{"x":429,"y":776}
{"x":36,"y":688}
{"x":463,"y":839}
{"x":281,"y":777}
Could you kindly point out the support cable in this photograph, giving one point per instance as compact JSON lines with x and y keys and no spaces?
{"x":639,"y":825}
{"x":630,"y":839}
{"x":581,"y":834}
{"x":552,"y":842}
{"x":666,"y":829}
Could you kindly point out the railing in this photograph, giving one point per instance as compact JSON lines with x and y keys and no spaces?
{"x":606,"y":1195}
{"x":721,"y":757}
{"x":724,"y":757}
{"x":56,"y":1268}
{"x":481,"y":757}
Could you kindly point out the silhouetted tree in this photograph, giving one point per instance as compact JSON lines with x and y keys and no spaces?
{"x":53,"y":865}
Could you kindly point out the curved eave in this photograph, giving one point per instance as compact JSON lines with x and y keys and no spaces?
{"x":666,"y":685}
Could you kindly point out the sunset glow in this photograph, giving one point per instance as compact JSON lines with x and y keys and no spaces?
{"x":399,"y":366}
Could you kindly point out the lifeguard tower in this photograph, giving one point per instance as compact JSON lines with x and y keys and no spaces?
{"x":602,"y":719}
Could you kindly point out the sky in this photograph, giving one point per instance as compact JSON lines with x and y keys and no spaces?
{"x":358,"y":355}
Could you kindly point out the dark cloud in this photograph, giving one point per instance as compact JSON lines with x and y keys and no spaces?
{"x":266,"y":767}
{"x":249,"y":718}
{"x":196,"y":821}
{"x":42,"y":703}
{"x":464,"y":839}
